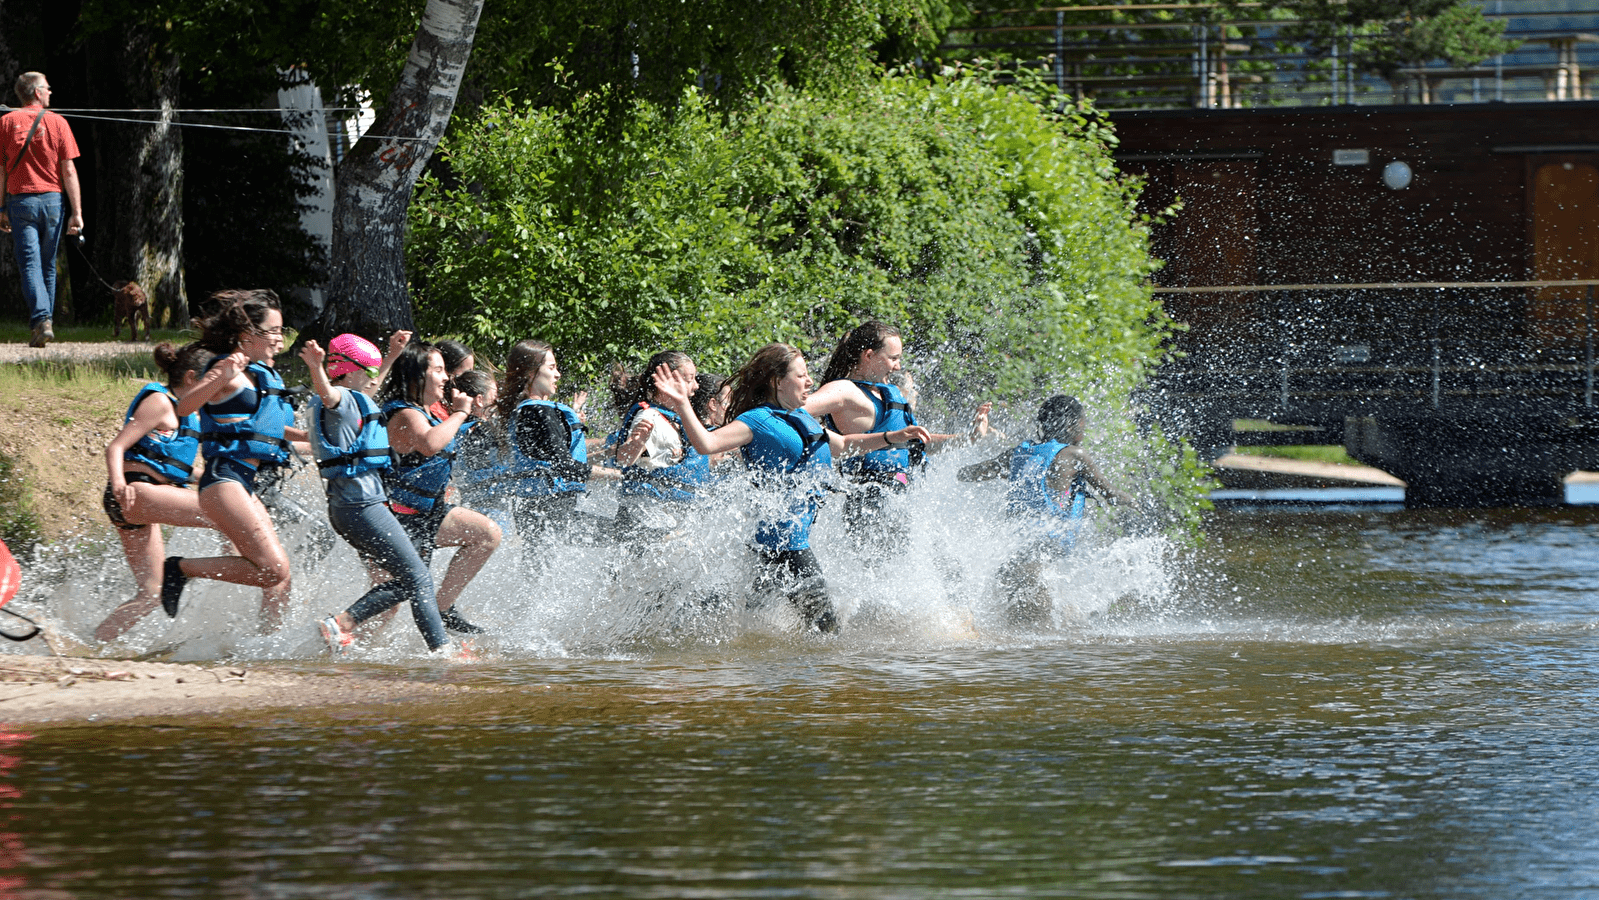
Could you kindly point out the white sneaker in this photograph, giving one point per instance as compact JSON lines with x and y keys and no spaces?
{"x":337,"y":638}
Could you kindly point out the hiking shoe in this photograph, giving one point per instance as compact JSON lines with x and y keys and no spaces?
{"x":337,"y":638}
{"x":454,"y":624}
{"x":47,"y":332}
{"x":172,"y":582}
{"x":37,"y":339}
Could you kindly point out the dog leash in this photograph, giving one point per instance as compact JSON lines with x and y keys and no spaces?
{"x":85,"y":257}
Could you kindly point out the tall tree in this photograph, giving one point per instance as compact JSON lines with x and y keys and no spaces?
{"x":368,"y":292}
{"x":139,"y":204}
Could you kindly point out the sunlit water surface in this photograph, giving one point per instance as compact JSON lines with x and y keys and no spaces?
{"x":1346,"y":702}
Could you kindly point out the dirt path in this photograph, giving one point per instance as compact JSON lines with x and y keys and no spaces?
{"x":21,"y":352}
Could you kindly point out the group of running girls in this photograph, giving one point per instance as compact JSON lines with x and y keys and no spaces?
{"x":399,"y":437}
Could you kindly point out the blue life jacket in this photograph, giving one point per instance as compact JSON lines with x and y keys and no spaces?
{"x":535,"y":477}
{"x":788,"y":448}
{"x":480,"y":463}
{"x":172,"y":457}
{"x":368,"y":453}
{"x":1030,"y":494}
{"x":893,"y":413}
{"x":677,"y":482}
{"x":258,"y":436}
{"x":417,"y":480}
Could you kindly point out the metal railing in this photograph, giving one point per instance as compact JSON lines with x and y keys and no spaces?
{"x":1181,"y":54}
{"x":1480,"y":340}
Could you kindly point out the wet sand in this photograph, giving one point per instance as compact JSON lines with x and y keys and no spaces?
{"x":71,"y":690}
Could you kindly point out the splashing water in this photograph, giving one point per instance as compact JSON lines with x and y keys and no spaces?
{"x":591,"y":597}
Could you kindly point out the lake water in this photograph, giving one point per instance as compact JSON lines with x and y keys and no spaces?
{"x":1336,"y":702}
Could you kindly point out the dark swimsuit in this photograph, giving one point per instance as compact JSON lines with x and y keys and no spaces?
{"x":113,"y":507}
{"x":242,"y":402}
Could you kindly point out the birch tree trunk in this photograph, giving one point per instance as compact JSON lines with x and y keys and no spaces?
{"x":368,"y":293}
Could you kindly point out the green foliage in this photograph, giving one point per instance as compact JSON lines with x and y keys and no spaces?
{"x":961,"y":211}
{"x":994,"y":231}
{"x":1460,"y":35}
{"x":649,"y":49}
{"x":1390,"y":35}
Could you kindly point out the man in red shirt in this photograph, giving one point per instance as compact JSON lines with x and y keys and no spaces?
{"x":36,"y":168}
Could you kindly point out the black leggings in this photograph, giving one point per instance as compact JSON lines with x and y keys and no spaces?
{"x":796,"y":576}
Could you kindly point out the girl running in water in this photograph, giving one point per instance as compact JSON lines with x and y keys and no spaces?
{"x":426,"y":446}
{"x":149,"y":466}
{"x":458,"y":359}
{"x":1049,"y":485}
{"x":661,"y":470}
{"x":856,"y":397}
{"x":245,"y":423}
{"x":792,"y":453}
{"x":480,"y":468}
{"x":352,"y":450}
{"x":546,"y":451}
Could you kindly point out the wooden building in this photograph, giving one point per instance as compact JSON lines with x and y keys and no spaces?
{"x":1470,"y":393}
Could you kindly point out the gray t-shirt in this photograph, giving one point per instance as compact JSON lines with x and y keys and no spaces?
{"x":341,"y":426}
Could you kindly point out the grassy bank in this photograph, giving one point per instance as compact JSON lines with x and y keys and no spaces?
{"x":1309,"y":453}
{"x":58,"y":417}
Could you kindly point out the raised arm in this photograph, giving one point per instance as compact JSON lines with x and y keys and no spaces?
{"x":212,"y":382}
{"x":674,"y":392}
{"x":314,"y":357}
{"x":397,"y":342}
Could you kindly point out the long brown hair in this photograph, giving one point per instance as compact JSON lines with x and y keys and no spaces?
{"x":756,"y":383}
{"x":628,"y":388}
{"x":847,"y":355}
{"x":237,"y":312}
{"x":408,"y":374}
{"x":521,"y":364}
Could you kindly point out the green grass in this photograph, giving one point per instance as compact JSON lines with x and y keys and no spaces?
{"x":1322,"y":453}
{"x":79,"y":372}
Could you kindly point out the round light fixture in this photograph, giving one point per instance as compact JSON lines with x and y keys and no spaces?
{"x":1396,"y":175}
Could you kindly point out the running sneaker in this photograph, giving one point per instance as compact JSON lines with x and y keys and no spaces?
{"x":337,"y":638}
{"x":456,"y":624}
{"x":172,"y":582}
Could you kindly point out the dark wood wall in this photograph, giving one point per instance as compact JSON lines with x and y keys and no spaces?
{"x":1464,"y":217}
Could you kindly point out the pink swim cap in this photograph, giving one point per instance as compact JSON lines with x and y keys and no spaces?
{"x":349,"y":352}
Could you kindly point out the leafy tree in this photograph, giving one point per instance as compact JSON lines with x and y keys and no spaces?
{"x":963,"y":211}
{"x":1390,"y":35}
{"x":990,"y":228}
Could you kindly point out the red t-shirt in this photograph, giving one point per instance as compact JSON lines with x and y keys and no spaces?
{"x":40,"y":171}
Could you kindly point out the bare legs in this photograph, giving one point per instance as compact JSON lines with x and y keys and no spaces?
{"x":478,"y":537}
{"x":261,"y":562}
{"x":156,"y":505}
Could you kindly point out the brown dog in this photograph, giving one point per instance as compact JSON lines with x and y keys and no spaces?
{"x":131,"y":305}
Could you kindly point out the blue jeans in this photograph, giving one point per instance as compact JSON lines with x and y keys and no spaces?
{"x":35,"y":237}
{"x":375,"y":534}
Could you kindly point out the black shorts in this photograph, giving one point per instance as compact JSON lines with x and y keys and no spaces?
{"x":113,"y":506}
{"x":423,"y":528}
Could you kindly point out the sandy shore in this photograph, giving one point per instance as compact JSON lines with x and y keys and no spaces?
{"x":69,"y":690}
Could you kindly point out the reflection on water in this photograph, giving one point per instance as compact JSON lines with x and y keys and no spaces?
{"x":1356,"y":702}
